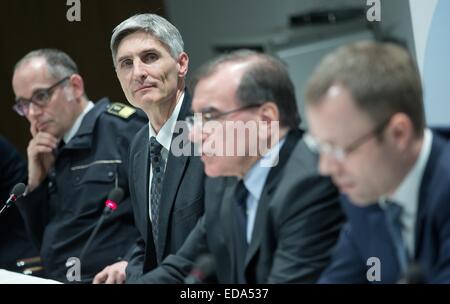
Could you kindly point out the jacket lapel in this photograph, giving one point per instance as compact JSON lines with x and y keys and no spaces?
{"x":173,"y":176}
{"x":141,"y":168}
{"x":227,"y":221}
{"x":424,"y":192}
{"x":83,"y":138}
{"x":272,"y":181}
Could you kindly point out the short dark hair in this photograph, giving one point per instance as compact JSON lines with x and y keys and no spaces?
{"x":383,"y":79}
{"x":59,"y":64}
{"x":265,"y":79}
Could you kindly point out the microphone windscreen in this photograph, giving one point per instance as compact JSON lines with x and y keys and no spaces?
{"x":116,"y":195}
{"x":18,"y":189}
{"x":203,"y":270}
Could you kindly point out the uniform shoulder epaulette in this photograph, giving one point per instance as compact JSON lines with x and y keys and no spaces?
{"x":121,"y":110}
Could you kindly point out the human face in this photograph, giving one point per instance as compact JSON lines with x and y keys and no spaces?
{"x":148,"y":74}
{"x":58,"y":114}
{"x":216,"y":94}
{"x":365,"y":173}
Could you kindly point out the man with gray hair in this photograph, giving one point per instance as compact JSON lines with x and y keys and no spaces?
{"x":78,"y":154}
{"x":166,"y":189}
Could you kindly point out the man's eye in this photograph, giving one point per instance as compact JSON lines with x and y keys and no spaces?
{"x":208,"y":116}
{"x":150,"y":57}
{"x":127,"y":63}
{"x":40,"y":96}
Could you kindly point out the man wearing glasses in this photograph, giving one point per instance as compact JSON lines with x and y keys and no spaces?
{"x":365,"y":109}
{"x":269,"y":216}
{"x":78,"y":153}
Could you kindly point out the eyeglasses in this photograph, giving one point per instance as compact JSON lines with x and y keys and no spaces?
{"x":39,"y":98}
{"x":339,"y":153}
{"x":198,"y":119}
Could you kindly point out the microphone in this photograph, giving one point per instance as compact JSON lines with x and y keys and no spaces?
{"x":413,"y":275}
{"x":114,"y":197}
{"x":203,"y":270}
{"x":17,"y":191}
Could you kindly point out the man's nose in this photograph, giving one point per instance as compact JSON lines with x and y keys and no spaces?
{"x":34,"y":110}
{"x":139,"y":70}
{"x":195,"y":133}
{"x":327,"y":165}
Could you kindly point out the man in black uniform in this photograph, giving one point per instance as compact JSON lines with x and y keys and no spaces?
{"x":78,"y":153}
{"x":14,"y":241}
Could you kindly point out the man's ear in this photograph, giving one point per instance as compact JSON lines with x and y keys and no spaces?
{"x":269,"y":118}
{"x":69,"y":93}
{"x":183,"y":65}
{"x":269,"y":112}
{"x":75,"y":88}
{"x":401,"y":131}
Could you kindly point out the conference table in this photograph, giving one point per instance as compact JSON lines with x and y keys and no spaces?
{"x":9,"y":277}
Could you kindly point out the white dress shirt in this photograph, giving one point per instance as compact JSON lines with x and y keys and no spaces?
{"x":255,"y":180}
{"x":164,"y":137}
{"x":74,"y":129}
{"x":407,"y":194}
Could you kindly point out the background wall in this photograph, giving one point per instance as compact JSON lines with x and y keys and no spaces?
{"x":207,"y":23}
{"x":431,"y":24}
{"x":26,"y":25}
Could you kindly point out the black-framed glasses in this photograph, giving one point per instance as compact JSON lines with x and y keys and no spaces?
{"x":204,"y":117}
{"x":341,"y":153}
{"x":40,"y":98}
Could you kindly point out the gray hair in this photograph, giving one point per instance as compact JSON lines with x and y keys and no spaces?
{"x":265,"y":79}
{"x":153,"y":24}
{"x":59,"y":64}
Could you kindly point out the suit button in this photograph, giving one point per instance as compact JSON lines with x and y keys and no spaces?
{"x":110,"y":174}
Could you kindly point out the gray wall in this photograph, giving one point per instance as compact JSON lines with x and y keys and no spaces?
{"x":205,"y":23}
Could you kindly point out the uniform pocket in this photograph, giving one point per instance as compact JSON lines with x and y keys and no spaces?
{"x":96,"y":172}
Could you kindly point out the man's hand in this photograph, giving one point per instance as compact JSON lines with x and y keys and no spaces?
{"x":112,"y":274}
{"x":40,"y":157}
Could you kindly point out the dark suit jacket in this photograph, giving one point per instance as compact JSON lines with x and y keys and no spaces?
{"x":14,"y":241}
{"x":181,"y":202}
{"x":366,"y":235}
{"x":297,"y":223}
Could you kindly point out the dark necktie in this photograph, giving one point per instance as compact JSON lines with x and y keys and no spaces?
{"x":394,"y":226}
{"x":240,"y":231}
{"x":158,"y":165}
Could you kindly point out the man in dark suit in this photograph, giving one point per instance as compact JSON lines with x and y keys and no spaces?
{"x":269,"y":216}
{"x":77,"y":155}
{"x":367,"y":121}
{"x":13,"y":236}
{"x":166,"y":186}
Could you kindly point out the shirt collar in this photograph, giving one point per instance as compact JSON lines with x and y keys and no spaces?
{"x":76,"y":125}
{"x":407,"y":194}
{"x":255,"y":179}
{"x":164,"y":136}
